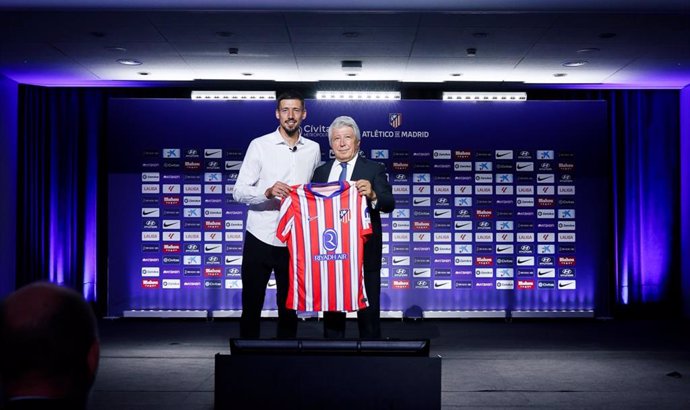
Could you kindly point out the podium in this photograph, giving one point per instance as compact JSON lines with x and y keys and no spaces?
{"x":327,"y":374}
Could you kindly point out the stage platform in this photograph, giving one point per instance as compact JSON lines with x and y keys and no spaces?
{"x":558,"y":363}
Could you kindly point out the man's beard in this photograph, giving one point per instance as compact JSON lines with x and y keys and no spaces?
{"x":291,"y":131}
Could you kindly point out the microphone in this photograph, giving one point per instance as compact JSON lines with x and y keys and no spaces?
{"x":293,"y":149}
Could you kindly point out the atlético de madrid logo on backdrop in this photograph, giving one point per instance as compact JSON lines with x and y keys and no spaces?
{"x":395,"y":119}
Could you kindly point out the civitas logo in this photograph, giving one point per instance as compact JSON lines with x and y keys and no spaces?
{"x":212,"y":283}
{"x":546,"y":284}
{"x":505,"y":284}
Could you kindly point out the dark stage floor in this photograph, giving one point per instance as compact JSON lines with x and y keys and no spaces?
{"x":169,"y":364}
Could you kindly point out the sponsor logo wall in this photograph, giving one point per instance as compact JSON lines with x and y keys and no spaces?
{"x":499,"y":206}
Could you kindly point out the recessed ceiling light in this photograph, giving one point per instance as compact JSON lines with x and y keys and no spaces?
{"x":350,"y":34}
{"x":224,"y":33}
{"x":607,"y":35}
{"x":351,"y":65}
{"x":575,"y":63}
{"x":116,"y":49}
{"x":588,"y":50}
{"x":127,"y":61}
{"x":559,"y":74}
{"x":247,"y":74}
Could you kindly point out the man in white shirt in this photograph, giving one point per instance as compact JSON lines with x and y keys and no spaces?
{"x":272,"y":164}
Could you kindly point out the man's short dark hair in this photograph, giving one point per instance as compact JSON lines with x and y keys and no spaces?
{"x":289,"y":95}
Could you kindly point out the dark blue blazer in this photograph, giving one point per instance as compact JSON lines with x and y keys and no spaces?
{"x":374,"y":172}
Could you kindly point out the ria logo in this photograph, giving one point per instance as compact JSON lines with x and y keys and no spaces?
{"x":329,"y":238}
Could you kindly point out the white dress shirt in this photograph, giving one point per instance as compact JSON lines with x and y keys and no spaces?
{"x":336,"y":169}
{"x":268,"y":160}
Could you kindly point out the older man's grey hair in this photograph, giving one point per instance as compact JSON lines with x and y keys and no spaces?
{"x":344,"y":121}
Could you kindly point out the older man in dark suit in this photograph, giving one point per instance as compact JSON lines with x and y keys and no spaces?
{"x":371,"y":181}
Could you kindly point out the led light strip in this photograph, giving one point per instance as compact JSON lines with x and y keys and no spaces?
{"x":358,"y":95}
{"x":485,"y":96}
{"x":233,"y":95}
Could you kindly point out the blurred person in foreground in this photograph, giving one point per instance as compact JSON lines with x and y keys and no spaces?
{"x":49,"y":348}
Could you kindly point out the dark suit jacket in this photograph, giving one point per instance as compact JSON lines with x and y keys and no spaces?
{"x":375,"y":172}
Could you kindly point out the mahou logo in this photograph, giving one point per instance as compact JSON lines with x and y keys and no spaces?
{"x":566,"y":260}
{"x":484,"y":213}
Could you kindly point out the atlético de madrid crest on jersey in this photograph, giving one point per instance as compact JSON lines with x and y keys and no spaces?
{"x":395,"y":119}
{"x":345,"y":216}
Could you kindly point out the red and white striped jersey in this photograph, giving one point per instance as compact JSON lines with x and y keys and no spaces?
{"x":325,"y":226}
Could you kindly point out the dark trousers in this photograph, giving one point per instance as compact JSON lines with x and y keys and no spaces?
{"x":368,"y":320}
{"x":258,"y":260}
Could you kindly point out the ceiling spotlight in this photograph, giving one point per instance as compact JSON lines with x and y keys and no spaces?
{"x":575,"y":63}
{"x":471,"y":52}
{"x":587,"y":50}
{"x":350,"y":34}
{"x":559,"y":74}
{"x":233,"y":51}
{"x":351,"y":65}
{"x":128,"y":61}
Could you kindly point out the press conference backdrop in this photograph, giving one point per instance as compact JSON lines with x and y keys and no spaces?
{"x":499,"y":206}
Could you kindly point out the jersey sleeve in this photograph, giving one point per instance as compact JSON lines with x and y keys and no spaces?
{"x":285,"y":219}
{"x":364,"y":217}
